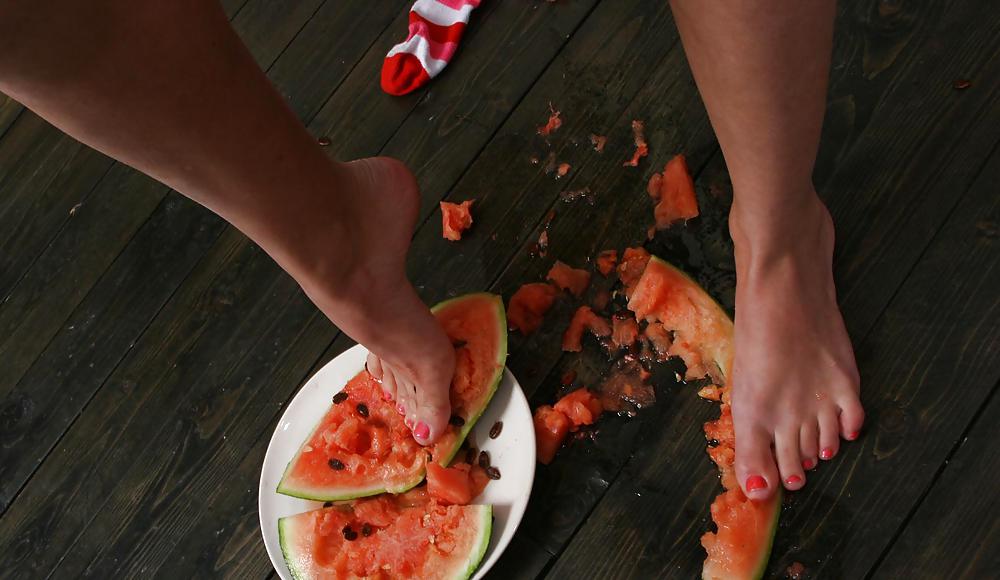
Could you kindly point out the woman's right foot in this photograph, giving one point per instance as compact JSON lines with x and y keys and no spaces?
{"x":361,"y":286}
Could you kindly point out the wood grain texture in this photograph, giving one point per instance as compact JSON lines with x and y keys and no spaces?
{"x":955,"y":533}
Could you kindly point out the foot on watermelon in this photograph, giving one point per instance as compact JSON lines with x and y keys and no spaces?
{"x":796,"y":383}
{"x":360,"y":283}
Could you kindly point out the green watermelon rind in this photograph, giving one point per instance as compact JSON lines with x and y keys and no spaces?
{"x":347,"y":493}
{"x":501,"y":360}
{"x":468,"y":568}
{"x":765,"y":555}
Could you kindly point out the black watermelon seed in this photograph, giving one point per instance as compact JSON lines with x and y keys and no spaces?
{"x":363,"y":410}
{"x":335,"y":464}
{"x":484,"y":459}
{"x":328,"y":504}
{"x":496,"y":429}
{"x":339,"y":398}
{"x":349,"y":534}
{"x":456,"y":421}
{"x":713,"y":443}
{"x":366,"y":529}
{"x":492,"y":472}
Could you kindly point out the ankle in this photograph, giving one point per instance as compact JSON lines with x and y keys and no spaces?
{"x":800,"y":226}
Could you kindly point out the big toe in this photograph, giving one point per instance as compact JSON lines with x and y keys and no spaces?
{"x":755,"y":465}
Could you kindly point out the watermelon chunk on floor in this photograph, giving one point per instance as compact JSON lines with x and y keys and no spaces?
{"x":407,"y":536}
{"x":673,"y":192}
{"x":361,"y":446}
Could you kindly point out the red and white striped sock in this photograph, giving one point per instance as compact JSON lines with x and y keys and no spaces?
{"x":436,"y":26}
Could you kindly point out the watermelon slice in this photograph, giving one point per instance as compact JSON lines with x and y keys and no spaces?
{"x":407,"y":536}
{"x":703,"y":336}
{"x":361,"y":446}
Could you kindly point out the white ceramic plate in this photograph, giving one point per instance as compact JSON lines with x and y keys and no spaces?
{"x":513,"y":453}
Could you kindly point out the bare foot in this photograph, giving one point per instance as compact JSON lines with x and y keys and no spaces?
{"x":374,"y":303}
{"x":796,"y":384}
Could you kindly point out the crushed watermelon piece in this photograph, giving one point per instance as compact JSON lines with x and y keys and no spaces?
{"x":624,"y":331}
{"x":581,"y":407}
{"x":551,"y":429}
{"x":563,"y":169}
{"x":553,"y":124}
{"x":598,"y":142}
{"x":528,"y":305}
{"x":673,"y":192}
{"x":641,"y":147}
{"x":568,"y":278}
{"x":583,"y":319}
{"x":659,"y":339}
{"x":449,"y":485}
{"x":606,"y":261}
{"x":626,"y":390}
{"x":455,"y":219}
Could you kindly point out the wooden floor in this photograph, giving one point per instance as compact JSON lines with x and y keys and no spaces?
{"x":147,"y":348}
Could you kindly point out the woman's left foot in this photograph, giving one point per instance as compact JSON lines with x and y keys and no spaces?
{"x":795,"y":381}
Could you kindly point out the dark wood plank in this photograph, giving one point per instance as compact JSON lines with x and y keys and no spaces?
{"x":67,"y":220}
{"x":650,"y":521}
{"x":71,"y":286}
{"x":956,"y":531}
{"x":191,"y":334}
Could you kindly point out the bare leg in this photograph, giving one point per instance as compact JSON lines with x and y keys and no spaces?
{"x":762,"y":67}
{"x":168,"y":88}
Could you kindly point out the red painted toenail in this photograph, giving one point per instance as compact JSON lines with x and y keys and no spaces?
{"x":808,"y":464}
{"x":421,"y":431}
{"x":387,"y":395}
{"x":792,"y":480}
{"x":852,"y":435}
{"x":400,"y":409}
{"x":826,"y":453}
{"x":755,"y":482}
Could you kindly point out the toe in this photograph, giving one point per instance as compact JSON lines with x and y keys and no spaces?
{"x":852,"y":417}
{"x":829,"y":433}
{"x":789,"y":456}
{"x":388,"y":383}
{"x":809,"y":444}
{"x":374,"y":366}
{"x":755,"y":466}
{"x":431,"y":422}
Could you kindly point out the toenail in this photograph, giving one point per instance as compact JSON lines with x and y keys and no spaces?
{"x":852,"y":435}
{"x":408,"y":423}
{"x":400,"y":409}
{"x":421,"y":431}
{"x":387,"y":395}
{"x":808,"y":464}
{"x":792,"y":480}
{"x":826,"y":453}
{"x":755,"y":482}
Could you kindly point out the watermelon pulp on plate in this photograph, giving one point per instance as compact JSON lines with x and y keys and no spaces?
{"x":361,"y":446}
{"x":703,"y":338}
{"x":405,"y":536}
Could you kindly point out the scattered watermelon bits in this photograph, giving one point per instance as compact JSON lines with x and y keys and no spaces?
{"x":626,"y":390}
{"x":581,"y":407}
{"x":641,"y":147}
{"x":405,"y":536}
{"x":551,"y":429}
{"x":567,"y":278}
{"x":598,"y":142}
{"x":584,"y":319}
{"x":562,"y":170}
{"x":658,"y":338}
{"x":624,"y":331}
{"x":528,"y":305}
{"x":458,"y":484}
{"x":552,"y":125}
{"x":606,"y":261}
{"x":455,"y":219}
{"x":673,"y":192}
